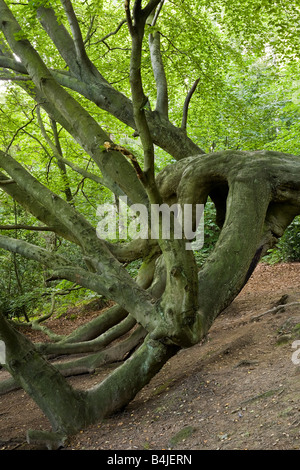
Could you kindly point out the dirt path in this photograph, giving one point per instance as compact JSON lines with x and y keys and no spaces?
{"x":239,"y":390}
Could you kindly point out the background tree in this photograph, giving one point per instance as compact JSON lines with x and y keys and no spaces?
{"x":149,"y":101}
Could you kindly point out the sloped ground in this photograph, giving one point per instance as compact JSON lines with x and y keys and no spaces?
{"x":238,"y":390}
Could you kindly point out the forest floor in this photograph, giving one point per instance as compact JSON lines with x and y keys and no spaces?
{"x":239,"y":390}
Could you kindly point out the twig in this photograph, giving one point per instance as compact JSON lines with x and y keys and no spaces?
{"x":90,"y":33}
{"x":26,"y":227}
{"x":73,"y":22}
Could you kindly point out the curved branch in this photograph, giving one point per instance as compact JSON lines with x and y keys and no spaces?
{"x":162,"y":102}
{"x":186,"y":104}
{"x":262,"y":198}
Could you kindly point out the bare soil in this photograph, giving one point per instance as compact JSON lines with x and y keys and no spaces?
{"x":238,"y":390}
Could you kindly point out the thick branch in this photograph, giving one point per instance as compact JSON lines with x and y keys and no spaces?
{"x":63,"y":161}
{"x":73,"y":52}
{"x":162,"y":102}
{"x":33,"y":252}
{"x":83,"y":127}
{"x":9,"y":63}
{"x":77,"y":36}
{"x":89,"y":346}
{"x":35,"y":207}
{"x":62,"y":405}
{"x":113,"y":393}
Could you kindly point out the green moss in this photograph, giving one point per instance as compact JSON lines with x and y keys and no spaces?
{"x":182,"y":435}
